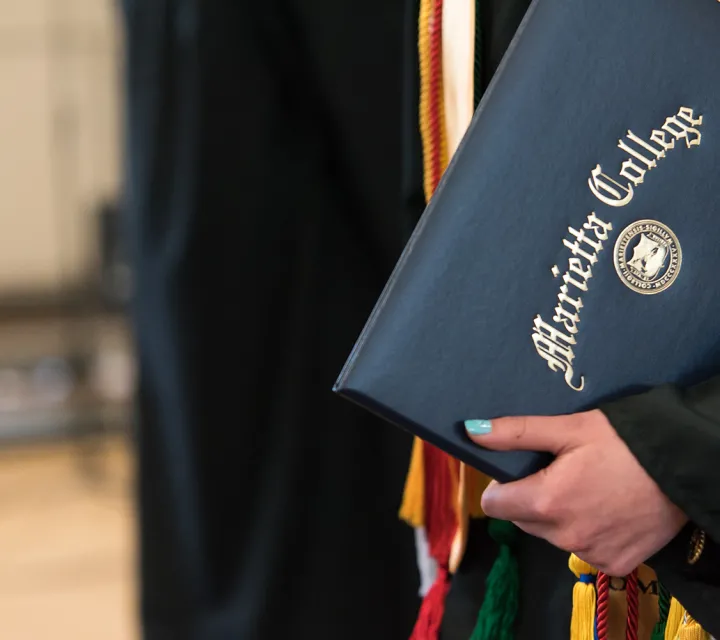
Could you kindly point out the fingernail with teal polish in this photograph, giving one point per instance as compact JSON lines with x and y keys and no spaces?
{"x":478,"y":427}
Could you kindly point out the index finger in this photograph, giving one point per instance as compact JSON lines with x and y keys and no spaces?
{"x":519,"y":501}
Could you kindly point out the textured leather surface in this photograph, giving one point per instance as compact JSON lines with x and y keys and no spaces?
{"x":450,"y":338}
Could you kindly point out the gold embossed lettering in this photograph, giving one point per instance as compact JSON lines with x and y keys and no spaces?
{"x":564,"y":297}
{"x":576,"y":267}
{"x":658,"y":137}
{"x":568,"y":279}
{"x":686,"y":113}
{"x":576,"y":250}
{"x":658,"y":153}
{"x":580,"y":238}
{"x":600,"y":228}
{"x":567,"y":319}
{"x":650,"y":164}
{"x":569,"y":375}
{"x":558,"y":357}
{"x":681,"y":131}
{"x":608,"y":190}
{"x":554,"y":343}
{"x":632,"y":172}
{"x":552,"y":334}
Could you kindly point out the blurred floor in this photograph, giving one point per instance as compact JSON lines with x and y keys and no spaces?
{"x":66,"y":541}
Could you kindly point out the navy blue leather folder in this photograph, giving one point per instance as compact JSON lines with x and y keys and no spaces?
{"x":571,"y":254}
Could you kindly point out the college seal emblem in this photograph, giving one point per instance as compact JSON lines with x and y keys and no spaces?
{"x":648,"y":257}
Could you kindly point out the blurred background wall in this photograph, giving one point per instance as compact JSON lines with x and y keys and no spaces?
{"x":59,"y":97}
{"x":66,"y":366}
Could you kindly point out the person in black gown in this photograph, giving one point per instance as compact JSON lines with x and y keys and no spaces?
{"x":264,"y":215}
{"x":273,"y":176}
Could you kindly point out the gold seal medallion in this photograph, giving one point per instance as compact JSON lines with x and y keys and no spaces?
{"x":648,"y":257}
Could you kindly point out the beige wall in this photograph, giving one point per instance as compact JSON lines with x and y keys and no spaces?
{"x":59,"y":133}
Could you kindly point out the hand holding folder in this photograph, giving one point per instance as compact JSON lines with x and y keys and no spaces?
{"x":581,"y":502}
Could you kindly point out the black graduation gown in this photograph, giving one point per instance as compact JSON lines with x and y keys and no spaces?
{"x":264,"y":217}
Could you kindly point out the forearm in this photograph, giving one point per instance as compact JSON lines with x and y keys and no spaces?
{"x":675,"y":435}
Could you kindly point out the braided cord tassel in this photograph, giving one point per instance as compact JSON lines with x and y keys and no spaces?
{"x":412,"y":510}
{"x":432,"y":106}
{"x":691,"y":630}
{"x":633,"y":607}
{"x":440,"y":524}
{"x":603,"y":607}
{"x":437,"y":495}
{"x":675,"y":619}
{"x":496,"y":620}
{"x":582,"y":625}
{"x":663,"y":611}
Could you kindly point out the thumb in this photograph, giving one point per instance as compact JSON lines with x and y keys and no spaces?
{"x":550,"y":434}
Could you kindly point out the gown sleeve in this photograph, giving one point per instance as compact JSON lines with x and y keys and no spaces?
{"x":675,"y":435}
